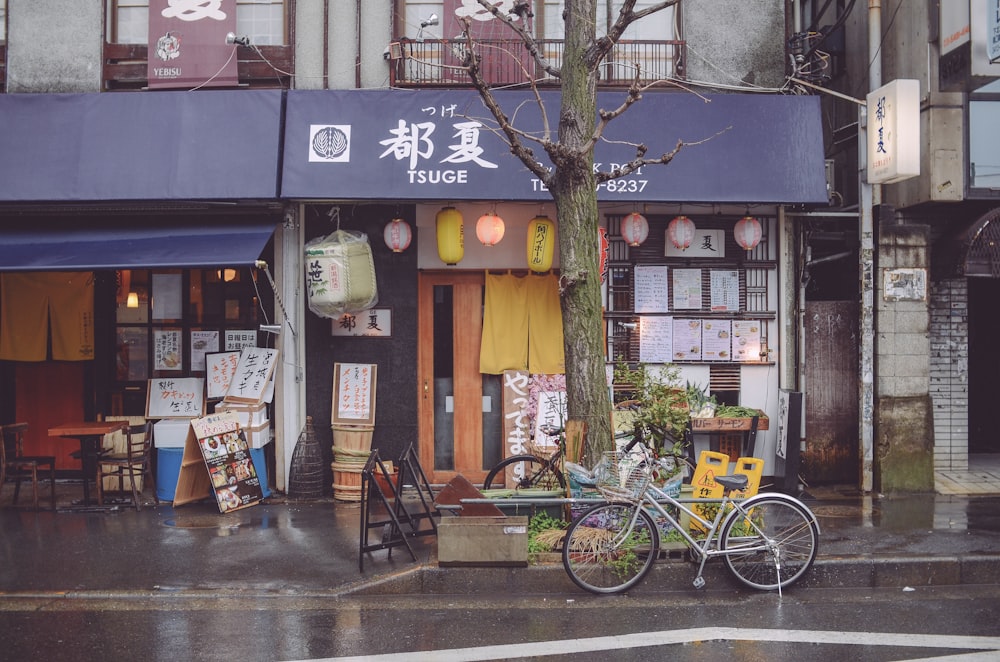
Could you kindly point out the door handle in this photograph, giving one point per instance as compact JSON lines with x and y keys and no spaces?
{"x":425,"y":389}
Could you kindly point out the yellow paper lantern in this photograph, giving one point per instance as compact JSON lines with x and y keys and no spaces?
{"x":541,"y":243}
{"x":450,"y":235}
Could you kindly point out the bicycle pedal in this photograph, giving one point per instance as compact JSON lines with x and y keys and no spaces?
{"x":699,"y":582}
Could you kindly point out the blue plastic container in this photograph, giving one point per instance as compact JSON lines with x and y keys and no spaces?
{"x":168,"y":468}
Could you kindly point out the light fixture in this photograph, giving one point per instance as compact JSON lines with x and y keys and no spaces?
{"x":397,"y":235}
{"x":430,"y":20}
{"x":232,"y":39}
{"x":226,"y":275}
{"x":747,"y":232}
{"x":450,"y":235}
{"x":132,"y":301}
{"x":490,"y":229}
{"x":541,"y":243}
{"x":680,"y":232}
{"x":270,"y":328}
{"x":635,"y":229}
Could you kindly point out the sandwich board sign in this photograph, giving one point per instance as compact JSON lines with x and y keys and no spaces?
{"x":217,"y":462}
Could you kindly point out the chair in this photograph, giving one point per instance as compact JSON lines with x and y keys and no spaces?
{"x":19,"y":466}
{"x":134,"y":463}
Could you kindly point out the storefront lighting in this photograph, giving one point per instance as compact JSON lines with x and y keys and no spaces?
{"x":680,"y":232}
{"x":541,"y":243}
{"x":450,"y":235}
{"x":490,"y":229}
{"x":226,"y":275}
{"x":635,"y":229}
{"x":397,"y":235}
{"x":133,"y":300}
{"x":748,"y":232}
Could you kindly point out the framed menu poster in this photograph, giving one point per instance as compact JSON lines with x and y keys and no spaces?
{"x":217,"y":444}
{"x":354,"y":393}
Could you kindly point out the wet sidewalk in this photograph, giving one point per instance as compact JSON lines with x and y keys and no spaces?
{"x":289,"y":547}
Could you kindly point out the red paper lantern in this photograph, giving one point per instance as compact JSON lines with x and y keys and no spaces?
{"x":747,"y":232}
{"x":397,"y":235}
{"x":635,"y":229}
{"x":602,"y":246}
{"x":680,"y":232}
{"x":489,"y":229}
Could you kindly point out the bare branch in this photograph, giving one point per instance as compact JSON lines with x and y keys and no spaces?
{"x":640,"y":160}
{"x":522,"y":31}
{"x":626,"y":17}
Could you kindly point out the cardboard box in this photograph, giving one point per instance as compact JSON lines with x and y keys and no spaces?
{"x":250,"y":416}
{"x":259,"y":436}
{"x":483,"y":541}
{"x":170,"y":432}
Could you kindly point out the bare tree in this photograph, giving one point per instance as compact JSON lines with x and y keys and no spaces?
{"x":572,"y":182}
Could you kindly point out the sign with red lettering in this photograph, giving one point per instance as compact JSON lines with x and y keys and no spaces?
{"x":175,"y":397}
{"x":187,"y":44}
{"x":354,"y":393}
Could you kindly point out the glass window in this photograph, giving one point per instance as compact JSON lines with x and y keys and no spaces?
{"x":984,"y":145}
{"x":261,"y":20}
{"x":3,"y":21}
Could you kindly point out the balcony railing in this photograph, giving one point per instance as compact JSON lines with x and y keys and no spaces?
{"x":3,"y":67}
{"x":125,"y":66}
{"x":437,"y":62}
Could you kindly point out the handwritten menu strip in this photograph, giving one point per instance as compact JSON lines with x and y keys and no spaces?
{"x":716,"y":340}
{"x":651,"y":289}
{"x":655,"y":339}
{"x":253,"y":372}
{"x":169,"y":397}
{"x":227,"y":456}
{"x":687,"y":289}
{"x":725,"y":290}
{"x":687,"y":340}
{"x":219,"y":370}
{"x":354,"y":393}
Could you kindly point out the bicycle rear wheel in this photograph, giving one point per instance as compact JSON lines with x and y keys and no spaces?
{"x":537,"y":473}
{"x":604,"y":553}
{"x":773,"y":546}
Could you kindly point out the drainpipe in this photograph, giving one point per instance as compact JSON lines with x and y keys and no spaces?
{"x":868,"y":196}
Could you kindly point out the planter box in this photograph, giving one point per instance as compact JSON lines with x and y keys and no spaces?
{"x":483,"y":541}
{"x":726,"y":424}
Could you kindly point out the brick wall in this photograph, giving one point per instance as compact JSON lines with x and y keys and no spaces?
{"x":949,"y":364}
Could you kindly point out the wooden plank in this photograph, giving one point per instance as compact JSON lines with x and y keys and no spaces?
{"x":468,"y":382}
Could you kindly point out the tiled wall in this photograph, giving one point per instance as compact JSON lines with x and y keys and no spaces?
{"x":949,"y":341}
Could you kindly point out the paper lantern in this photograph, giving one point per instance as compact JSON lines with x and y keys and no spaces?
{"x":635,"y":229}
{"x":747,"y":232}
{"x":397,"y":235}
{"x":450,"y":235}
{"x":489,"y":229}
{"x":680,"y":232}
{"x":541,"y":243}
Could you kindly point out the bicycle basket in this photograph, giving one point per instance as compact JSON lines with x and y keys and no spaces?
{"x":622,"y":476}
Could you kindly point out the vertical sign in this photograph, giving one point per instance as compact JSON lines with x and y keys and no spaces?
{"x":187,"y":44}
{"x":993,"y":30}
{"x":219,"y":370}
{"x":354,"y":393}
{"x":253,"y":372}
{"x":894,"y":132}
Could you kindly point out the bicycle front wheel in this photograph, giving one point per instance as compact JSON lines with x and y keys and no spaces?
{"x":610,"y":547}
{"x":773,"y":545}
{"x":534,"y":472}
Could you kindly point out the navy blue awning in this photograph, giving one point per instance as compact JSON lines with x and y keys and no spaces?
{"x":442,"y":145}
{"x":117,"y":245}
{"x":210,"y":145}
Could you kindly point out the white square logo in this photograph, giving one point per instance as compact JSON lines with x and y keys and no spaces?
{"x":330,"y":143}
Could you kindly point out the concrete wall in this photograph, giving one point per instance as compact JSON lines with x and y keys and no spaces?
{"x":52,"y":48}
{"x":735,"y":43}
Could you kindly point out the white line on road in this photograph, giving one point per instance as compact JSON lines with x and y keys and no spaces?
{"x":990,"y":645}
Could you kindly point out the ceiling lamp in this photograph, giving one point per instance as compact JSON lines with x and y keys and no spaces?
{"x":489,"y":229}
{"x":680,"y":232}
{"x":397,"y":235}
{"x":450,"y":235}
{"x":635,"y":229}
{"x":541,"y":243}
{"x":747,"y":232}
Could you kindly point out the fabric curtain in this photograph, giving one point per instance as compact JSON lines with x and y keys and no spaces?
{"x":32,"y":302}
{"x":522,"y":325}
{"x":545,"y":329}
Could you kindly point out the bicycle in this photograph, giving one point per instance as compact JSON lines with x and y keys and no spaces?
{"x":769,"y":541}
{"x":538,"y":471}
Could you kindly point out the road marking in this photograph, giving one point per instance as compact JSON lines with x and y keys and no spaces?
{"x":989,"y":646}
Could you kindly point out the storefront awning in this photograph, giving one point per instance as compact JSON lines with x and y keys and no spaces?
{"x":442,"y":145}
{"x":107,"y":245}
{"x":213,"y":145}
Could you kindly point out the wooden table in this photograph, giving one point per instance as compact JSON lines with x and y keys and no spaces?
{"x":89,"y":434}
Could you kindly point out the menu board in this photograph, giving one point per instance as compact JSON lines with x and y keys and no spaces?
{"x":725,"y":290}
{"x":226,"y":453}
{"x":687,"y":289}
{"x":249,"y":383}
{"x":651,"y":289}
{"x":746,"y":340}
{"x":219,"y":370}
{"x":687,"y":340}
{"x":175,"y":397}
{"x":716,"y":340}
{"x":655,"y":339}
{"x":354,"y":393}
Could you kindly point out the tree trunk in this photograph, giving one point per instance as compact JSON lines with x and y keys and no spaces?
{"x":575,"y":198}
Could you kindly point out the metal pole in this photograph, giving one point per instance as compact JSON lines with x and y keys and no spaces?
{"x":868,"y":196}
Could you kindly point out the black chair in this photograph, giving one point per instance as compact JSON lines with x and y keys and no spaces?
{"x":19,"y":466}
{"x":134,"y":463}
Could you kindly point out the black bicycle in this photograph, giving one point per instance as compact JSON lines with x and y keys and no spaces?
{"x":532,"y":470}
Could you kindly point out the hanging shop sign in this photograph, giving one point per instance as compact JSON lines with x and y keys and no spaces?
{"x":541,"y":243}
{"x":894,"y":132}
{"x":188,"y":44}
{"x":450,"y":235}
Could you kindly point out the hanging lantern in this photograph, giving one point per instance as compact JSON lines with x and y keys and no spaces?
{"x":450,"y":235}
{"x":541,"y":243}
{"x":602,"y":247}
{"x":489,"y":229}
{"x":397,"y":235}
{"x":748,"y":232}
{"x":635,"y":229}
{"x":680,"y":232}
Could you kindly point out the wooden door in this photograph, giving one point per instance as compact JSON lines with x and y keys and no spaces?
{"x":450,"y":397}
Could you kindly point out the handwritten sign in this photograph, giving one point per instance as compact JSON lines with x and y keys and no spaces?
{"x":219,"y":370}
{"x":218,"y":444}
{"x":655,"y":339}
{"x":354,"y":393}
{"x":253,"y":372}
{"x":651,"y":289}
{"x":175,"y":397}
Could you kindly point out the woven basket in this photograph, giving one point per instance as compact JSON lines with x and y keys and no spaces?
{"x":623,"y":476}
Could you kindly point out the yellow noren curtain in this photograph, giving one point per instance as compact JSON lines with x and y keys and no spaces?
{"x":545,"y":328}
{"x":522,"y":325}
{"x":31,"y":302}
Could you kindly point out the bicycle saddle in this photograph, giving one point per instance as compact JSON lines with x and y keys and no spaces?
{"x":734,"y":482}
